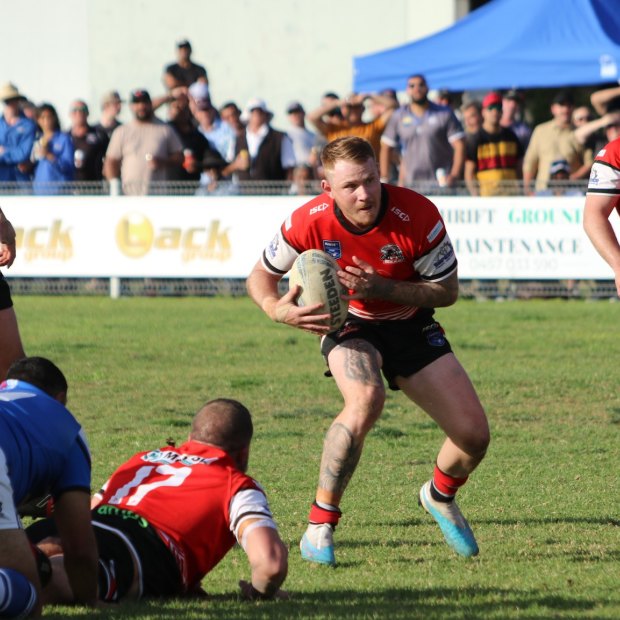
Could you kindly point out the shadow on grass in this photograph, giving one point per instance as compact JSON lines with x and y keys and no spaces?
{"x":509,"y":522}
{"x":427,"y":603}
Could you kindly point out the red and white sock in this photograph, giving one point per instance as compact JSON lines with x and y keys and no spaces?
{"x":324,"y":513}
{"x":444,"y":486}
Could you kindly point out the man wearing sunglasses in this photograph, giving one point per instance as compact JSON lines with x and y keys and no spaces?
{"x":429,"y":135}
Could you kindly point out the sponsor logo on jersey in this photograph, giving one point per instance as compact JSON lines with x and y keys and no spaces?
{"x":391,"y":253}
{"x":436,"y":230}
{"x":272,"y":248}
{"x":332,"y":248}
{"x":318,"y":208}
{"x":444,"y":254}
{"x":106,"y":510}
{"x":400,"y":214}
{"x":593,"y":177}
{"x":157,"y":456}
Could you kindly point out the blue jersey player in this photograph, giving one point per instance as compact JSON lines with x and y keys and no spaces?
{"x":42,"y":451}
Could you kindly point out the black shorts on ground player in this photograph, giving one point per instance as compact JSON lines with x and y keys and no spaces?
{"x":406,"y":346}
{"x":121,"y":534}
{"x":5,"y":294}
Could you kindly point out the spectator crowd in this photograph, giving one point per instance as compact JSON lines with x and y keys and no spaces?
{"x":484,"y":147}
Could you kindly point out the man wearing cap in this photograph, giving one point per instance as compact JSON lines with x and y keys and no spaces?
{"x":110,"y":109}
{"x":184,"y":72}
{"x":554,"y":139}
{"x":270,"y":151}
{"x":89,"y":145}
{"x":17,"y":134}
{"x":512,"y":111}
{"x":602,"y":199}
{"x":302,"y":138}
{"x":430,"y":136}
{"x":494,"y":153}
{"x":142,"y":151}
{"x":221,"y":135}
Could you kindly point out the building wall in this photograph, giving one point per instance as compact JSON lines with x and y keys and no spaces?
{"x":276,"y":49}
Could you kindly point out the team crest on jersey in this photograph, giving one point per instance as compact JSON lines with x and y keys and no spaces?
{"x":332,"y":248}
{"x":391,"y":253}
{"x":444,"y":254}
{"x":272,"y":248}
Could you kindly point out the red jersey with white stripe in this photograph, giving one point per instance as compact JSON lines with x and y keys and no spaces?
{"x":186,"y":493}
{"x":605,"y":174}
{"x":407,"y":242}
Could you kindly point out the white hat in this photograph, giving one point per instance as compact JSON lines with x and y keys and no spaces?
{"x":9,"y":91}
{"x":256,"y":103}
{"x":199,"y":92}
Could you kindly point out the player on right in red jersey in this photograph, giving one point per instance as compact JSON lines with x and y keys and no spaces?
{"x":398,"y":263}
{"x":602,"y":198}
{"x":166,"y":517}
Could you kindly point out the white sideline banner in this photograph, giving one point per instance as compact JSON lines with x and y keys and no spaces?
{"x":222,"y":237}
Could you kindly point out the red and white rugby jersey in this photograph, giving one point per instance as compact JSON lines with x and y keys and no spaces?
{"x":193,"y":496}
{"x":605,"y":174}
{"x":408,"y":242}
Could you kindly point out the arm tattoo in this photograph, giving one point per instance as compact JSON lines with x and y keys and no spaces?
{"x":420,"y":294}
{"x":341,"y":454}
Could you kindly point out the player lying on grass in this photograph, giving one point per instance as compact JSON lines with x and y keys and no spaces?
{"x":42,"y":450}
{"x":398,"y":263}
{"x":166,"y":517}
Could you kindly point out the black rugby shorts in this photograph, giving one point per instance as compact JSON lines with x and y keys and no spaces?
{"x":406,"y":346}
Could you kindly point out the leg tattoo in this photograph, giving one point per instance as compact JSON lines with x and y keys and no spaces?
{"x":362,"y":368}
{"x":341,"y":454}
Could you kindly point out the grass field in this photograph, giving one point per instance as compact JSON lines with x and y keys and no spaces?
{"x":544,"y":503}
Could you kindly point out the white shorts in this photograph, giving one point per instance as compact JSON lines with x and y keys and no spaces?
{"x":9,"y":520}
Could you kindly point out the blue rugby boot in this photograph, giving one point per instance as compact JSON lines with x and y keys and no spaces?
{"x":317,"y":544}
{"x":452,"y":523}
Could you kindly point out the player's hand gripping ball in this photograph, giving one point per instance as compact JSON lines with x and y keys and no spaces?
{"x":316,"y":273}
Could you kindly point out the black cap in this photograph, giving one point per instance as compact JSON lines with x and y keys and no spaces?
{"x":294,"y":106}
{"x":513,"y":93}
{"x":184,"y":43}
{"x":139,"y":95}
{"x":564,"y":97}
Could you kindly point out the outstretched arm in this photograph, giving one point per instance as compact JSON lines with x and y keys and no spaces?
{"x":268,"y":558}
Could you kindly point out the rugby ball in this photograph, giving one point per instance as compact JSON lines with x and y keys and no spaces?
{"x":316,"y":273}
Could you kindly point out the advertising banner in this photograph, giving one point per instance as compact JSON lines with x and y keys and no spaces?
{"x":222,"y":237}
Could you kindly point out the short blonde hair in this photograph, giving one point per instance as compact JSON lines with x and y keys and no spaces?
{"x":349,"y":148}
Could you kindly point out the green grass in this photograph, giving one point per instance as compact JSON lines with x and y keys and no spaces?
{"x":543,"y":504}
